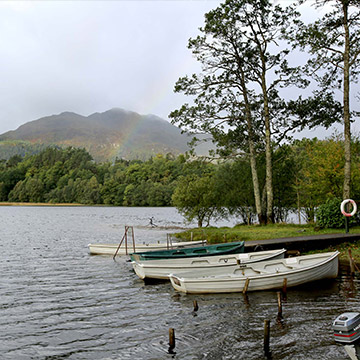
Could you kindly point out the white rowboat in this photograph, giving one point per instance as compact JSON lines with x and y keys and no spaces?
{"x":264,"y":275}
{"x":161,"y":269}
{"x":110,"y":249}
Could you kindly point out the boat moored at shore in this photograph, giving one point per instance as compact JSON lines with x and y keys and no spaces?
{"x":206,"y":250}
{"x":161,"y":269}
{"x":110,"y":249}
{"x":264,"y":275}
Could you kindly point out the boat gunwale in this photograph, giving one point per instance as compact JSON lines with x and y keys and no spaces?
{"x":157,"y":254}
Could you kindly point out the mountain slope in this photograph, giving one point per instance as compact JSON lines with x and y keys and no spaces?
{"x":107,"y":135}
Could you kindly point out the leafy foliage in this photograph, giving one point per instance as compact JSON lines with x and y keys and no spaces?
{"x":71,"y":176}
{"x":196,"y":198}
{"x":329,"y":215}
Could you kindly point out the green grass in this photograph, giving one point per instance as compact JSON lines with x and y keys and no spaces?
{"x":275,"y":231}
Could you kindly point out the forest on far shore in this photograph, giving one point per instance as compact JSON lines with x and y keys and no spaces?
{"x":306,"y":174}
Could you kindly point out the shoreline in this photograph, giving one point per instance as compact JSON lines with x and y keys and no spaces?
{"x":38,"y":204}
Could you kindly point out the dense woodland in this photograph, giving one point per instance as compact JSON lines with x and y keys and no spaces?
{"x":306,"y":174}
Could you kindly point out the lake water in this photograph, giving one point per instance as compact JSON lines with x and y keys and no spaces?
{"x":58,"y":302}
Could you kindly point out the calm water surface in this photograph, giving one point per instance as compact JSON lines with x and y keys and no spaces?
{"x":58,"y":302}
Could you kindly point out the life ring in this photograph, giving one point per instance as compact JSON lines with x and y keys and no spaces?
{"x":342,"y":207}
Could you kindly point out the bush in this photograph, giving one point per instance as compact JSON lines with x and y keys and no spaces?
{"x":329,"y":215}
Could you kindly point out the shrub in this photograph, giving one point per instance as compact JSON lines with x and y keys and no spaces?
{"x":328,"y":215}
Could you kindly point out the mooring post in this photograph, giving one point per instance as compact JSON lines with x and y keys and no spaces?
{"x":267,"y":337}
{"x":279,"y":303}
{"x":196,"y":306}
{"x":126,"y":242}
{"x":133,"y":237}
{"x":284,"y":285}
{"x":246,"y":285}
{"x":246,"y":300}
{"x":120,"y":244}
{"x":351,"y":260}
{"x":171,"y":340}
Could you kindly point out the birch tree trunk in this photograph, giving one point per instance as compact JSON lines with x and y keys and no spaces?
{"x":252,"y":152}
{"x":347,"y":130}
{"x":268,"y":149}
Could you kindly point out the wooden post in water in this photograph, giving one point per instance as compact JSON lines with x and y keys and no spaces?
{"x":284,"y":285}
{"x":120,"y":243}
{"x":171,"y":340}
{"x":351,"y":260}
{"x":279,"y":303}
{"x":126,"y":243}
{"x":246,"y":285}
{"x":196,"y":306}
{"x":133,"y":237}
{"x":267,"y":337}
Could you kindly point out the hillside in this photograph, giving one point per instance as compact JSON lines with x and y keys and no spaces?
{"x":107,"y":135}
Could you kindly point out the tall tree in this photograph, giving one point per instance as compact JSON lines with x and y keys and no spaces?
{"x":333,"y":43}
{"x":196,"y":198}
{"x":234,"y":98}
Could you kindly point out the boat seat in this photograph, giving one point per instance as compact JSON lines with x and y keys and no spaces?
{"x":294,"y":265}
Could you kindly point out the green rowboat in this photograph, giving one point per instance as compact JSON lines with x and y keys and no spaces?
{"x":207,"y":250}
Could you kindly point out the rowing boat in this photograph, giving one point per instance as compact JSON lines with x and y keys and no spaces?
{"x":264,"y":275}
{"x":207,"y":250}
{"x":161,"y":269}
{"x":110,"y":249}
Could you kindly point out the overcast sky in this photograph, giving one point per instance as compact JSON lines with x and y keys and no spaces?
{"x":91,"y":56}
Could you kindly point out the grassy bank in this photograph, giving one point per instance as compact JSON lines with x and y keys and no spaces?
{"x":256,"y":232}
